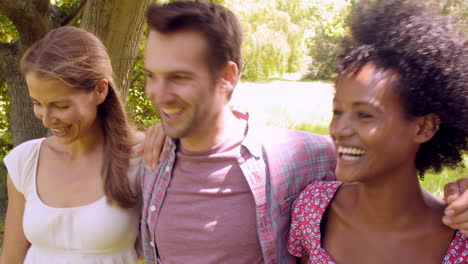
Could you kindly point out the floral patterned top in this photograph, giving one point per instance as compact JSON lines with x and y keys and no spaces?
{"x":307,"y":212}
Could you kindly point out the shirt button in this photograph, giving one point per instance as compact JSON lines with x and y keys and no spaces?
{"x":152,"y":244}
{"x":168,"y":168}
{"x":153,"y":208}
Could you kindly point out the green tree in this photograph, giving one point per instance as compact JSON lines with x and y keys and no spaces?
{"x":140,"y":108}
{"x":283,"y":36}
{"x":273,"y":36}
{"x":326,"y":31}
{"x":457,"y":8}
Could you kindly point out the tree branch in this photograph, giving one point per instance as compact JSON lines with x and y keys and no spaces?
{"x":41,"y":5}
{"x":74,"y":14}
{"x":7,"y":7}
{"x":30,"y":18}
{"x":56,"y":15}
{"x":14,"y":9}
{"x":135,"y":79}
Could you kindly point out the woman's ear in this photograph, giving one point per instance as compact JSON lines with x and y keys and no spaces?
{"x":427,"y":127}
{"x":101,"y":90}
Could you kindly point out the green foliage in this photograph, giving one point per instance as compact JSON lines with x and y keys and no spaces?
{"x":435,"y":182}
{"x":329,"y":26}
{"x":283,"y":36}
{"x":8,"y":31}
{"x":68,"y":6}
{"x":140,"y":109}
{"x":317,"y":129}
{"x":457,"y":8}
{"x":324,"y":51}
{"x":327,"y":32}
{"x":283,"y":119}
{"x":273,"y":37}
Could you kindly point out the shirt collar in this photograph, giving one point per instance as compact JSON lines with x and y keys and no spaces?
{"x":251,"y":141}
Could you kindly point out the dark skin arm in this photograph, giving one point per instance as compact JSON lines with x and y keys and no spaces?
{"x":456,"y":213}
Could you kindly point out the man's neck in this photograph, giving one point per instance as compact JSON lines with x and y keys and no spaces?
{"x":226,"y":127}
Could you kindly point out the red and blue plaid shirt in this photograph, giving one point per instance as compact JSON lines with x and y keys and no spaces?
{"x":277,"y":164}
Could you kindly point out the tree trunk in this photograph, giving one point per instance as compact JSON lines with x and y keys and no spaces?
{"x":23,"y":124}
{"x":32,"y":22}
{"x":119,"y":24}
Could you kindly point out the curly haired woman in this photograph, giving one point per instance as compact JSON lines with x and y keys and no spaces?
{"x":400,"y":109}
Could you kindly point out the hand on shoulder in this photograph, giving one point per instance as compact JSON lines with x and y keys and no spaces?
{"x":153,"y":145}
{"x":456,"y":213}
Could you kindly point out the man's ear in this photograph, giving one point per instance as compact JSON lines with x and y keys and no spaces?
{"x":229,"y":77}
{"x":426,"y":127}
{"x":101,"y":90}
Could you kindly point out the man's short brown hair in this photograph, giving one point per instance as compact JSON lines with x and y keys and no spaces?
{"x":219,"y":26}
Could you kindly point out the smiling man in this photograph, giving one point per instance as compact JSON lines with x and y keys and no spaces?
{"x":223,"y":193}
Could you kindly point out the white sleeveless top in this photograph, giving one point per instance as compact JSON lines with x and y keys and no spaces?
{"x":96,"y":233}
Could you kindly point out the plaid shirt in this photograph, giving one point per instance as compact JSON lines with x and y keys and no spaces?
{"x":277,"y":164}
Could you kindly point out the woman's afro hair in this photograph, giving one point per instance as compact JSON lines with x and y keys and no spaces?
{"x":430,"y":56}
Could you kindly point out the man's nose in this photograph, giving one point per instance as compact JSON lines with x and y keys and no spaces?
{"x":159,"y":92}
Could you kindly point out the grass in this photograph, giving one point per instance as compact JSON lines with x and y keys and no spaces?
{"x":435,"y":182}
